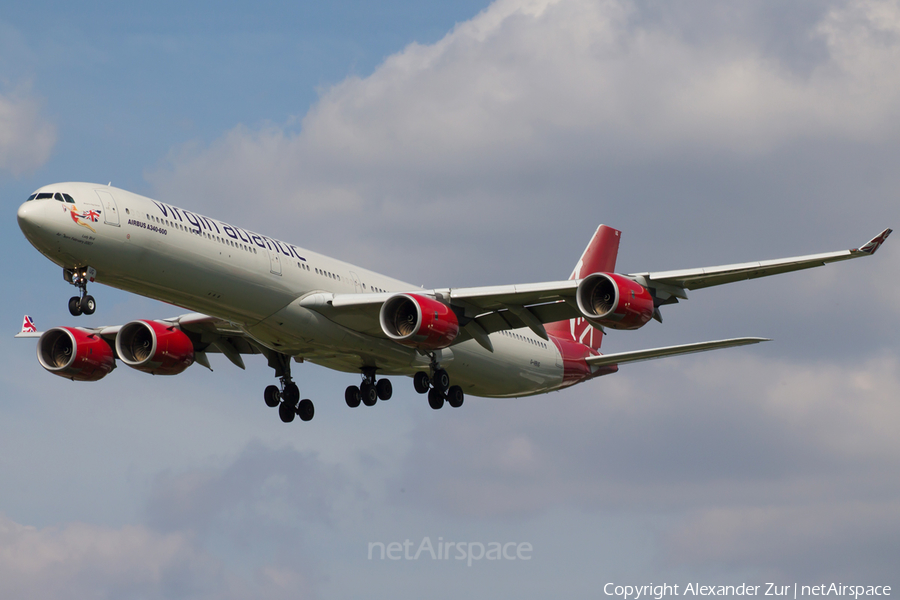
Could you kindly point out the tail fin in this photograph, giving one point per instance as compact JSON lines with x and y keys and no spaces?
{"x":28,"y":328}
{"x":599,"y":257}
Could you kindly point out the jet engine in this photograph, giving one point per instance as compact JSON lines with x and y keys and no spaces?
{"x":418,"y":322}
{"x":75,"y":354}
{"x":614,"y":301}
{"x":154,"y":347}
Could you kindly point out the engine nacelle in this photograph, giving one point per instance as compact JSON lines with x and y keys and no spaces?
{"x":419,"y":322}
{"x":614,"y":301}
{"x":75,"y":354}
{"x":154,"y":347}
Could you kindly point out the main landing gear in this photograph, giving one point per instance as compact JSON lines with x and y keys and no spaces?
{"x":287,"y":396}
{"x":369,"y":391}
{"x":83,"y":303}
{"x":438,"y":388}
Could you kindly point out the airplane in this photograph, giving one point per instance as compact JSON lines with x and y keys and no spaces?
{"x":254,"y":294}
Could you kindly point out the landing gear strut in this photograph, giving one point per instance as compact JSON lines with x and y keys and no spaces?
{"x":83,"y":303}
{"x":287,"y":397}
{"x":369,"y":391}
{"x":438,"y":387}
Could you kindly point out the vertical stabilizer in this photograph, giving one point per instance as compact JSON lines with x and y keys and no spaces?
{"x":600,"y":254}
{"x":599,"y":257}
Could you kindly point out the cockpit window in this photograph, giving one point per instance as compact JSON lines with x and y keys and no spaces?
{"x":44,"y":196}
{"x":69,"y":199}
{"x":31,"y":197}
{"x":58,"y":197}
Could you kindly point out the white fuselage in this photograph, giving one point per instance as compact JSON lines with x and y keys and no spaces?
{"x":258,"y":283}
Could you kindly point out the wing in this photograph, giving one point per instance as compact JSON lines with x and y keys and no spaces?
{"x":676,"y":282}
{"x":208,"y":334}
{"x":484,"y":310}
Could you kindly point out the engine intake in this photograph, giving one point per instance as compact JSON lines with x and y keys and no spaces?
{"x":418,"y":322}
{"x":154,"y":347}
{"x":75,"y":354}
{"x":614,"y":301}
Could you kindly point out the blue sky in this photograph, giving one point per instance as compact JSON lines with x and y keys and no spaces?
{"x":469,"y":143}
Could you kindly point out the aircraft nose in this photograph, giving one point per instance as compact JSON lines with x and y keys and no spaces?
{"x":29,"y":218}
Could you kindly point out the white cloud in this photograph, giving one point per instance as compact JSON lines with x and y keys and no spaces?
{"x":532,"y":111}
{"x":79,"y":560}
{"x":26,"y":137}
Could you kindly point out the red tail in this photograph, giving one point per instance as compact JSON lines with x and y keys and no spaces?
{"x":599,"y":257}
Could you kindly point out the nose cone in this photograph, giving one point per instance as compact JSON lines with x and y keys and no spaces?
{"x":28,"y":217}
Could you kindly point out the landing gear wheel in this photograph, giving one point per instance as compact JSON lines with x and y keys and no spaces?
{"x":272,"y":396}
{"x":286,"y":412}
{"x":291,"y":394}
{"x":306,"y":410}
{"x":435,"y":399}
{"x":440,"y":381}
{"x":421,"y":382}
{"x":88,"y":305}
{"x":455,"y":396}
{"x":384,"y":389}
{"x":75,"y":306}
{"x":369,"y":394}
{"x":352,"y":396}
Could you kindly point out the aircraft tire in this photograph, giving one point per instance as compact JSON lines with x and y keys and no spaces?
{"x":272,"y":396}
{"x":421,"y":382}
{"x":291,"y":394}
{"x":441,"y":380}
{"x":306,"y":410}
{"x":75,"y":306}
{"x":352,"y":396}
{"x":286,"y":412}
{"x":435,"y":399}
{"x":384,"y":389}
{"x":455,"y":396}
{"x":88,"y":305}
{"x":369,"y":394}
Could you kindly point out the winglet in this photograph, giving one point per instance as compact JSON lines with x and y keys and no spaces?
{"x":872,"y":245}
{"x":28,"y":329}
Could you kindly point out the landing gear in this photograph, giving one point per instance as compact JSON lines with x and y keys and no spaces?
{"x":84,"y":303}
{"x":369,"y":391}
{"x":438,"y":387}
{"x":421,"y":382}
{"x":455,"y":396}
{"x":435,"y":399}
{"x":287,"y":397}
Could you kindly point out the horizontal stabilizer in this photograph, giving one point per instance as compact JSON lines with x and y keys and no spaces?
{"x":636,"y":355}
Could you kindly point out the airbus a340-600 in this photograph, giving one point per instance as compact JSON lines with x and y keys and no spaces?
{"x":257,"y":295}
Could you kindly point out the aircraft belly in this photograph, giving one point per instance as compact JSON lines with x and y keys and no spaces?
{"x":512,"y":370}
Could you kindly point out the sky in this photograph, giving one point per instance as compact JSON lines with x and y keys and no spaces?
{"x":469,"y":143}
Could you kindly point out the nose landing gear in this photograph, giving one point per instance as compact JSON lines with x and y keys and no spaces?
{"x":83,"y":303}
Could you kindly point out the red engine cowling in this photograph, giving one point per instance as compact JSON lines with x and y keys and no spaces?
{"x":154,"y":347}
{"x":614,"y":301}
{"x":419,"y":322}
{"x":75,"y":354}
